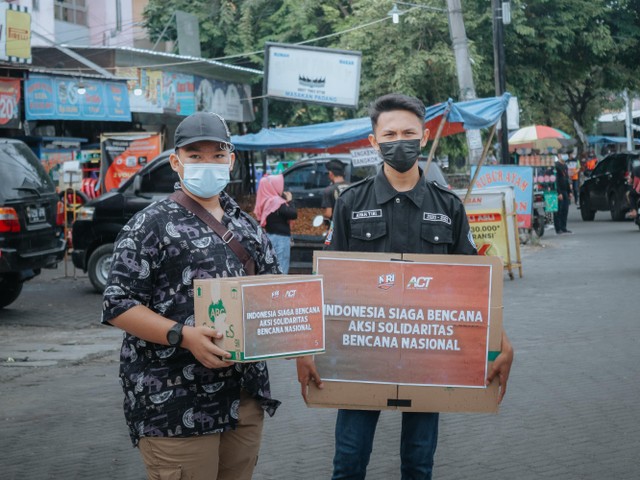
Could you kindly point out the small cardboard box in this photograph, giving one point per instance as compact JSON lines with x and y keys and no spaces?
{"x":409,"y":332}
{"x":264,"y":316}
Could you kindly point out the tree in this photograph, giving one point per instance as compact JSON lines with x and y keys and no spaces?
{"x":566,"y":57}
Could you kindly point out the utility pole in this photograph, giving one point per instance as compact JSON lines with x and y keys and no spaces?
{"x":499,"y":74}
{"x":628,"y":119}
{"x":464,"y":72}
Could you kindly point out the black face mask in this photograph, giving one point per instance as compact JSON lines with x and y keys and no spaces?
{"x":401,"y":155}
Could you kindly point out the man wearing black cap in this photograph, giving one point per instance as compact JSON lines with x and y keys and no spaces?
{"x":192,"y":413}
{"x":336,"y":176}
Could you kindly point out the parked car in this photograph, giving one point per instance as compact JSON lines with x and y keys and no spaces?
{"x":99,"y":221}
{"x":607,"y":185}
{"x":31,"y":219}
{"x":308,"y":178}
{"x":312,"y":173}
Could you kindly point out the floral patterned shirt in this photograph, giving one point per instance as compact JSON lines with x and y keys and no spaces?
{"x":157,"y":255}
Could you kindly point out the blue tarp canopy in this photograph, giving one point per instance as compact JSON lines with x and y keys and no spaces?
{"x":345,"y":135}
{"x":605,"y":139}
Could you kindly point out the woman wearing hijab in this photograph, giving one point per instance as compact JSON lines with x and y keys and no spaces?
{"x":275,"y":210}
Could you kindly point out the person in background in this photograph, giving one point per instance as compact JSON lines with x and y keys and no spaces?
{"x":191,"y":412}
{"x":574,"y":172}
{"x":564,"y":195}
{"x":336,"y":176}
{"x":275,"y":210}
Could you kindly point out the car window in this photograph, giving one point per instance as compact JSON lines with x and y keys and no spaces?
{"x":618,"y":164}
{"x":362,"y":172}
{"x":602,"y":166}
{"x":160,"y":180}
{"x":321,"y":179}
{"x":21,"y":173}
{"x":301,"y":177}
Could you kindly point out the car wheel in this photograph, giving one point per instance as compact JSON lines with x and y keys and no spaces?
{"x":585,"y":212}
{"x":99,"y":266}
{"x":617,"y":214}
{"x":10,"y":288}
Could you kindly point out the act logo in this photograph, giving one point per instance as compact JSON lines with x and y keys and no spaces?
{"x":419,"y":283}
{"x":386,"y":281}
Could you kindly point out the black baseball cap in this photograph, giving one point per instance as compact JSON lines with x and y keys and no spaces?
{"x":202,"y":126}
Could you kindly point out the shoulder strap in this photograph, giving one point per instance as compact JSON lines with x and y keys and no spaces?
{"x":223,"y":232}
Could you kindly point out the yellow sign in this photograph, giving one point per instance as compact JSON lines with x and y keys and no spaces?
{"x":15,"y":33}
{"x":490,"y":233}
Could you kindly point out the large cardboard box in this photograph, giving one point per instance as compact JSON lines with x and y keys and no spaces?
{"x":409,"y":332}
{"x":265,"y":316}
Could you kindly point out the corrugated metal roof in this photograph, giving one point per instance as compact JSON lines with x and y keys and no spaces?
{"x":183,"y":58}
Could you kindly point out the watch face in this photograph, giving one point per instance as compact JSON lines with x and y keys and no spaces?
{"x":174,"y":336}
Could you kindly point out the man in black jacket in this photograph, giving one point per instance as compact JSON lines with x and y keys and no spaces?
{"x":564,"y":196}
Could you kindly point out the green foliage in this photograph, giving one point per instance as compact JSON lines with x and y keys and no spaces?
{"x":565,"y":58}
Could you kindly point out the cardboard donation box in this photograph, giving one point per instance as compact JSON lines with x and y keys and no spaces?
{"x":265,"y":316}
{"x":409,"y":332}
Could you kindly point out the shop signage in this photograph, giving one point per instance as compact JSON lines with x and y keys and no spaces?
{"x":178,"y":93}
{"x":15,"y":33}
{"x":312,"y":75}
{"x":57,"y":98}
{"x":521,"y":178}
{"x":9,"y":103}
{"x":152,"y":91}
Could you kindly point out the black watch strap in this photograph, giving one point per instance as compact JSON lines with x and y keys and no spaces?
{"x":174,"y":335}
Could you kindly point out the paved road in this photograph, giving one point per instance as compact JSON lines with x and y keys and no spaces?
{"x":571,"y":411}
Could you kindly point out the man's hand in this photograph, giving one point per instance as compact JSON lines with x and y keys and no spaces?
{"x":307,"y":373}
{"x":199,"y":341}
{"x":502,"y":367}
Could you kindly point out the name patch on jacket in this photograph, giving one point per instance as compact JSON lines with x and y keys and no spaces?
{"x":436,"y":217}
{"x":366,"y":214}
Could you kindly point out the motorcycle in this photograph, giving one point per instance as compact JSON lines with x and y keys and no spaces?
{"x":540,"y":218}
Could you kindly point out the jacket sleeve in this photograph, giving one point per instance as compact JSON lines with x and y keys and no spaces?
{"x":288,"y":211}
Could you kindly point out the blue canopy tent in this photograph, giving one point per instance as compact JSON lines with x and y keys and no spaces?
{"x":345,"y":135}
{"x":605,"y":139}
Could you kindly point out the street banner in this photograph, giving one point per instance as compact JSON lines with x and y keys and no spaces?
{"x":492,"y":220}
{"x":57,"y":98}
{"x":123,"y":154}
{"x":10,"y":103}
{"x":521,"y":178}
{"x":410,"y":331}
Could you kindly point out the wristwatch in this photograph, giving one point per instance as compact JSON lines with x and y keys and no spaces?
{"x":174,"y":335}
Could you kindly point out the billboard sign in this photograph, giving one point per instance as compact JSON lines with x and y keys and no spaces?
{"x":313,"y":75}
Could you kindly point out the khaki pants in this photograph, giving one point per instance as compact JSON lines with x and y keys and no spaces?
{"x":231,"y":455}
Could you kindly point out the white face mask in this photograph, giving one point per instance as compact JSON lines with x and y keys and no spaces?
{"x":205,"y":180}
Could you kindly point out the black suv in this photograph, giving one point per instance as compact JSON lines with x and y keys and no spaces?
{"x":607,"y":185}
{"x":99,"y":221}
{"x":31,"y":219}
{"x":308,"y":178}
